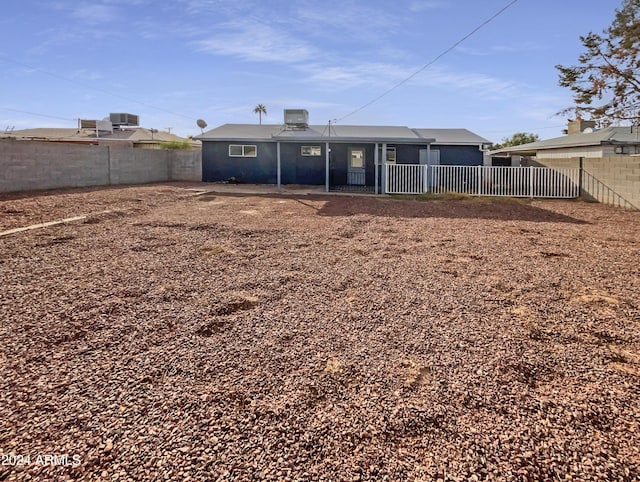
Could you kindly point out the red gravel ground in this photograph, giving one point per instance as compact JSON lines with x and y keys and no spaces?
{"x":238,"y":337}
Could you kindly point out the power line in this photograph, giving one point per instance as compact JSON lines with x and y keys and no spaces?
{"x":428,"y":64}
{"x":92,"y":88}
{"x":36,"y":114}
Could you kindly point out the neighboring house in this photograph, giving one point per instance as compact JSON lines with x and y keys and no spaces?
{"x":608,"y":159}
{"x":582,"y":140}
{"x":106,"y":132}
{"x":334,"y":155}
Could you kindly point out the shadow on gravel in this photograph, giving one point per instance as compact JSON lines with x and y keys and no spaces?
{"x":473,"y":208}
{"x":504,"y":210}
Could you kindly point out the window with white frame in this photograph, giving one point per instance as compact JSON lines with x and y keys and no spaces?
{"x":391,"y":155}
{"x":311,"y":150}
{"x":242,"y":150}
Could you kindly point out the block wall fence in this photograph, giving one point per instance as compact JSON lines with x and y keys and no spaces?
{"x":30,"y":165}
{"x":619,"y":174}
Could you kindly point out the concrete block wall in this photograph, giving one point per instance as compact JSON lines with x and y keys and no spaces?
{"x":29,"y":165}
{"x":138,"y":166}
{"x":620,"y":174}
{"x":186,"y":165}
{"x":45,"y":165}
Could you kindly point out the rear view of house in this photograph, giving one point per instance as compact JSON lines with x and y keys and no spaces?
{"x":337,"y":156}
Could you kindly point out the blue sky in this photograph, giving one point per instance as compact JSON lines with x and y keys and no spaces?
{"x":174,"y":62}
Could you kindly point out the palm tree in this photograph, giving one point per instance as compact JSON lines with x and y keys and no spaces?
{"x":260,"y":109}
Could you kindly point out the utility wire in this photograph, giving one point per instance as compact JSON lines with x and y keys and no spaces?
{"x":36,"y":114}
{"x":430,"y":63}
{"x":92,"y":88}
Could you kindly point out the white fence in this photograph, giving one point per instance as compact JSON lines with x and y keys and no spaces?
{"x":541,"y":182}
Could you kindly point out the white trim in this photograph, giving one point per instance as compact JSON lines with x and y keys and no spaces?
{"x":311,"y":149}
{"x":243,"y":148}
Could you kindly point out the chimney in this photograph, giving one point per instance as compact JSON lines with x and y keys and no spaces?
{"x":579,"y":125}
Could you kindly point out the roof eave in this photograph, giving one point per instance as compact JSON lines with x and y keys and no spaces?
{"x":367,"y":140}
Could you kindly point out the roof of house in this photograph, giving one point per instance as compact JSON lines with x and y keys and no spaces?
{"x":453,"y":136}
{"x":341,"y":133}
{"x":138,"y":135}
{"x":609,"y":135}
{"x":344,"y":133}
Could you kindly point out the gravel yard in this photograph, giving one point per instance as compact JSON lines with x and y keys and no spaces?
{"x":170,"y":336}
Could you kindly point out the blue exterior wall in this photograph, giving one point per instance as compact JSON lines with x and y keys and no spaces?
{"x":217,"y":165}
{"x":299,"y":169}
{"x":295,"y":168}
{"x":407,"y":154}
{"x":459,"y":155}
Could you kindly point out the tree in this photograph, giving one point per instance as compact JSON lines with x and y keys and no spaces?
{"x":260,"y":109}
{"x":517,"y":139}
{"x":606,"y":83}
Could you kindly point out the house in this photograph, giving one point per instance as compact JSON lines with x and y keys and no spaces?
{"x":120,"y":130}
{"x":584,"y":140}
{"x":608,"y":159}
{"x":338,"y":156}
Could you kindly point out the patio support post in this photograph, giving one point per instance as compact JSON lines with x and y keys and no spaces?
{"x":376,"y":166}
{"x":384,"y":168}
{"x":428,"y":173}
{"x":279,"y":166}
{"x":326,"y":167}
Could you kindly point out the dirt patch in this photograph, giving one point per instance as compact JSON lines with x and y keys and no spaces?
{"x":241,"y":337}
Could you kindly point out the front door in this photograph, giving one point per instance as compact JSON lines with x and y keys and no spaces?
{"x":356,"y":175}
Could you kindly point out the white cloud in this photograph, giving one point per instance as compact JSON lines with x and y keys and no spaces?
{"x":94,"y":13}
{"x":422,"y":5}
{"x":384,"y":76}
{"x":84,"y":74}
{"x":346,"y":20}
{"x":255,"y":41}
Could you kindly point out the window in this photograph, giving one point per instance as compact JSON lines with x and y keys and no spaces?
{"x":311,"y":151}
{"x":391,"y":155}
{"x":236,"y":150}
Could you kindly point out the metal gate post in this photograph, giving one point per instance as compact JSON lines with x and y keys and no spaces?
{"x":531,"y":182}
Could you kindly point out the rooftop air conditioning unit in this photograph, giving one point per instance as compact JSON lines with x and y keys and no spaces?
{"x":296,"y":118}
{"x":123,"y":119}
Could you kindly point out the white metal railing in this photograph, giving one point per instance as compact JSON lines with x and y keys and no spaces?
{"x":405,"y":179}
{"x":541,"y":182}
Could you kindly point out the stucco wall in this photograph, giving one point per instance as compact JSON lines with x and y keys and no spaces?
{"x":605,"y":177}
{"x":28,"y":165}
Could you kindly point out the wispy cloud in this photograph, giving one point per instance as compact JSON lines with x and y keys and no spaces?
{"x":255,"y":41}
{"x":383,"y":76}
{"x":475,"y":82}
{"x":84,"y":74}
{"x":347,"y":76}
{"x":498,"y":49}
{"x":94,"y":13}
{"x":348,"y":20}
{"x":422,"y":5}
{"x":472,"y":51}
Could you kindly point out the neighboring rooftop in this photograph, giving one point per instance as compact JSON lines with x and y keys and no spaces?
{"x":137,"y":135}
{"x":590,"y":137}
